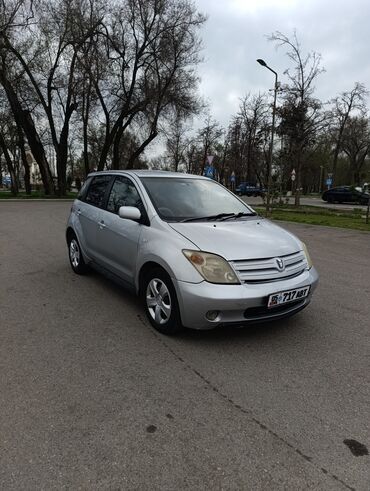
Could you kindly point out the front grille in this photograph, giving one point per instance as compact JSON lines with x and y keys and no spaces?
{"x":263,"y":311}
{"x":266,"y":269}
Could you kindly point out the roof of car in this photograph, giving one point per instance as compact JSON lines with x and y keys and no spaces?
{"x":149,"y":173}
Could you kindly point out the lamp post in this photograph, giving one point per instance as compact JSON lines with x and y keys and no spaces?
{"x":269,"y":169}
{"x":321,"y":176}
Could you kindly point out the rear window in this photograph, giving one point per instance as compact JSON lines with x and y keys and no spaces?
{"x":96,"y":192}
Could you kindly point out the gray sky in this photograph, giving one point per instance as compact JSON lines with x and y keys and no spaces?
{"x":234,"y":37}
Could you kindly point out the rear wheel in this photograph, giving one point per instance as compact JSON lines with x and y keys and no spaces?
{"x":160,"y":302}
{"x":75,"y":255}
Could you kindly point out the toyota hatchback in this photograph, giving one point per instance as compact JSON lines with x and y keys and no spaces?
{"x":198,"y":256}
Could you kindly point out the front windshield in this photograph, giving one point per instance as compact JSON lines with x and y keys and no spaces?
{"x":180,"y":199}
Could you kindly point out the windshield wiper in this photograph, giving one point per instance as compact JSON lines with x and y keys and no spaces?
{"x":239,"y":215}
{"x":210,"y":217}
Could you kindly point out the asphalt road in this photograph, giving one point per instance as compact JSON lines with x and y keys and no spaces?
{"x":92,"y":398}
{"x":311,"y":201}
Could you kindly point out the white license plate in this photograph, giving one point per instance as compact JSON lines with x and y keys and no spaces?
{"x":288,"y":296}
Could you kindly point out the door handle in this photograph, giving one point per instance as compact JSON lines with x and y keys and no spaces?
{"x":101,"y":225}
{"x":78,"y":212}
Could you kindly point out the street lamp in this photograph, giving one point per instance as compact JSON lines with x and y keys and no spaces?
{"x":269,"y":170}
{"x":321,"y":176}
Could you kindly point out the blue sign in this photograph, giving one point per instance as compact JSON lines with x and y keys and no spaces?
{"x":209,"y":171}
{"x":329,"y":181}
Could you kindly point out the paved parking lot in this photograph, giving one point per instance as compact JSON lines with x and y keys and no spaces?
{"x":92,"y":398}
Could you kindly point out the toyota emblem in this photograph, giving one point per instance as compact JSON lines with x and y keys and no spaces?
{"x":280,"y":264}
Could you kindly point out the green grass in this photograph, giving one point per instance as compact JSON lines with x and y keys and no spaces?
{"x":352,"y":219}
{"x":34,"y":195}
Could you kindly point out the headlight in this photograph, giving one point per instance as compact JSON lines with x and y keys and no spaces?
{"x":309,"y":262}
{"x":213,"y":268}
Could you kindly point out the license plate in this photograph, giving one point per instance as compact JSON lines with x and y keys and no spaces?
{"x":288,"y":296}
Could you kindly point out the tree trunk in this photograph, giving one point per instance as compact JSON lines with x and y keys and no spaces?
{"x":335,"y":161}
{"x":204,"y":160}
{"x":85,"y":123}
{"x":38,"y":152}
{"x":105,"y":150}
{"x":9,"y":163}
{"x":142,"y":147}
{"x":62,"y":152}
{"x":298,"y":181}
{"x":116,"y":149}
{"x":24,"y":120}
{"x":26,"y":165}
{"x":109,"y":139}
{"x":86,"y":150}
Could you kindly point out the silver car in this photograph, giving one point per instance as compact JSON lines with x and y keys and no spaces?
{"x":197,"y":255}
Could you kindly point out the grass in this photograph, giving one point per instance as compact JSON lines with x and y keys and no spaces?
{"x":34,"y":195}
{"x":352,"y":219}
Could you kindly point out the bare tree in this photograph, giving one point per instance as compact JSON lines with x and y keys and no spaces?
{"x":9,"y":163}
{"x":356,"y":145}
{"x":176,"y":141}
{"x":207,"y":137}
{"x":15,"y":17}
{"x":250,"y":130}
{"x":343,"y":106}
{"x":44,"y":53}
{"x":301,"y":113}
{"x":152,"y":48}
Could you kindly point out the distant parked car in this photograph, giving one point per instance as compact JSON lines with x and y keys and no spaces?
{"x":345,"y":194}
{"x":247,"y":189}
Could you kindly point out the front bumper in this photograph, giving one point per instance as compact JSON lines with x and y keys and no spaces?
{"x":238,"y":304}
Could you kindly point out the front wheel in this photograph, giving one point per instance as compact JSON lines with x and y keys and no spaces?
{"x":160,"y":302}
{"x":75,"y":255}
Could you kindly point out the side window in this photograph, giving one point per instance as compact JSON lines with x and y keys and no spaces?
{"x":82,"y":193}
{"x":123,"y":193}
{"x":95,"y":193}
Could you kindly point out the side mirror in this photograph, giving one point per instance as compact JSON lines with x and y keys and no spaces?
{"x":129,"y":212}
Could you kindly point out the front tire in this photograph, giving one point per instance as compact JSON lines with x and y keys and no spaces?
{"x":160,"y":302}
{"x":75,"y":255}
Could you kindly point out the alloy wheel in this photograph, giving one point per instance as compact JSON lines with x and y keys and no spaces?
{"x":74,"y":253}
{"x":158,"y":301}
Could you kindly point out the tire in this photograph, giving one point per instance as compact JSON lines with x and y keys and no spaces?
{"x":160,"y":302}
{"x":75,"y":255}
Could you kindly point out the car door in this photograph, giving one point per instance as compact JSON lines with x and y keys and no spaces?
{"x":336,"y":194}
{"x":118,"y":238}
{"x":89,"y":211}
{"x":345,"y":195}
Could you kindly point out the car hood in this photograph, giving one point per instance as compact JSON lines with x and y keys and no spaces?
{"x":242,"y":239}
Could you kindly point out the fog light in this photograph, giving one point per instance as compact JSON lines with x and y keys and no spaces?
{"x":212,"y":315}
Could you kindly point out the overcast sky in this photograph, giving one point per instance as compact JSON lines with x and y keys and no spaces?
{"x":234,"y":36}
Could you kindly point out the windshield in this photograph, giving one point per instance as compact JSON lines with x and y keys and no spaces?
{"x":182,"y":199}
